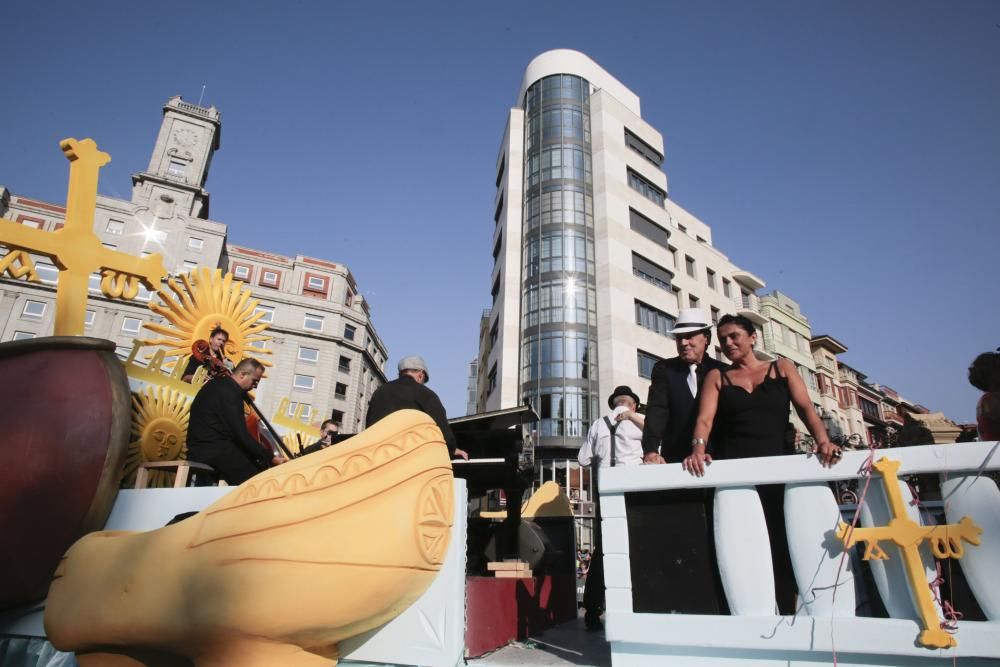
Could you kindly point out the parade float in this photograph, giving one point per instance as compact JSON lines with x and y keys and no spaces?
{"x":358,"y":553}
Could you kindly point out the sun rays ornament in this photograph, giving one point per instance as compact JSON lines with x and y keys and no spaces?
{"x":201,"y":301}
{"x":160,"y":417}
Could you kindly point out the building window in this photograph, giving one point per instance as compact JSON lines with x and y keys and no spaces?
{"x":258,"y":344}
{"x":88,"y":320}
{"x":491,"y":380}
{"x":345,"y":364}
{"x":681,"y":228}
{"x":349,"y":298}
{"x":157,"y":236}
{"x":22,"y":335}
{"x":645,"y":188}
{"x":94,"y":282}
{"x":726,"y":290}
{"x":312,"y":322}
{"x":349,"y":331}
{"x":710,"y":275}
{"x":689,"y":266}
{"x":195,"y":243}
{"x":30,"y":222}
{"x":309,"y":354}
{"x":269,"y":279}
{"x":646,"y":227}
{"x":241,"y":271}
{"x":33,"y":309}
{"x":503,"y":165}
{"x":131,"y":326}
{"x":496,"y":247}
{"x":116,"y":227}
{"x":715,"y":315}
{"x":304,"y":382}
{"x":494,"y":331}
{"x":642,"y":148}
{"x":176,"y":167}
{"x":316,"y":283}
{"x":337,"y":416}
{"x":651,"y":272}
{"x":122,"y":352}
{"x":340,"y":390}
{"x":693,"y":301}
{"x":267,"y":314}
{"x":110,"y":246}
{"x":646,"y":363}
{"x":654,"y":319}
{"x":188,"y":267}
{"x":48,"y":273}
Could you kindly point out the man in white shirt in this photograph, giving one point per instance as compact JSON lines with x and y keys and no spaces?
{"x":615,"y":439}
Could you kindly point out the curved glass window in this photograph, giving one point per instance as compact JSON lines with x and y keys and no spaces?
{"x":558,"y":301}
{"x":557,"y":354}
{"x":567,"y":204}
{"x":564,"y":250}
{"x":563,"y":411}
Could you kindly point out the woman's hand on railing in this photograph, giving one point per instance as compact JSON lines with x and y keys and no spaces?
{"x":696,"y":461}
{"x":828,"y":453}
{"x":652,"y":458}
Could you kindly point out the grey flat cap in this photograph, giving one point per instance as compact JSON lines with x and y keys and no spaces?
{"x":414,"y":363}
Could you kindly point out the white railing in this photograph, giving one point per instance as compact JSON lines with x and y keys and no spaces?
{"x":825,"y":623}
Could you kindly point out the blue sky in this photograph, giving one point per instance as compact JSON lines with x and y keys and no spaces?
{"x":846,"y":153}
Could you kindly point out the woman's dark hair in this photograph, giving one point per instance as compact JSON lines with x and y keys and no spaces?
{"x":216,"y":331}
{"x":984,"y":373}
{"x":739,"y":320}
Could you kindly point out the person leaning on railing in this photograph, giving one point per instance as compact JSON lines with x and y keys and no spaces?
{"x":748,"y":405}
{"x":984,"y":375}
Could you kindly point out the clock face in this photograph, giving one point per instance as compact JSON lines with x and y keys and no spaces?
{"x":186,"y":138}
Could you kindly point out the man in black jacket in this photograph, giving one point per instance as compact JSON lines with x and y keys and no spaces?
{"x":217,"y":431}
{"x":678,"y":558}
{"x":672,"y":405}
{"x":408,"y":392}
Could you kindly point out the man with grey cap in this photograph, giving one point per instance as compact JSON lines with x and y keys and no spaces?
{"x":408,"y":392}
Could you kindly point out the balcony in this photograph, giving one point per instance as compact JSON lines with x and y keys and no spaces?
{"x":748,"y":280}
{"x":748,"y":305}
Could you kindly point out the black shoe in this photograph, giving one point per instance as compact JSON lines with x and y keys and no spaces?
{"x":593,"y":621}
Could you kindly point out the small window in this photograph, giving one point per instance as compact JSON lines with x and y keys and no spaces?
{"x":710,"y":275}
{"x":682,"y":228}
{"x":48,"y":273}
{"x":35,"y":309}
{"x":131,"y":326}
{"x":340,"y":390}
{"x":22,"y":335}
{"x":116,"y":227}
{"x":715,"y":317}
{"x":122,"y":352}
{"x":269,"y":279}
{"x":188,"y":267}
{"x":349,"y":298}
{"x":646,"y":363}
{"x":316,"y":283}
{"x":88,"y":320}
{"x":726,"y":292}
{"x":689,"y":266}
{"x":176,"y":167}
{"x":309,"y":354}
{"x":94,"y":282}
{"x":312,"y":322}
{"x":242,"y":272}
{"x":337,"y":416}
{"x":349,"y":331}
{"x":155,"y":236}
{"x":304,"y":382}
{"x":258,"y":344}
{"x":306,"y":412}
{"x":268,"y":313}
{"x":693,"y":301}
{"x":143,"y":294}
{"x":345,"y":364}
{"x":195,"y":243}
{"x":29,"y":222}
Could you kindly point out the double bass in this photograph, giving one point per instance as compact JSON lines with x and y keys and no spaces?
{"x":268,"y":438}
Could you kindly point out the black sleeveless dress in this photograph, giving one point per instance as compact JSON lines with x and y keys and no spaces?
{"x":752,"y":424}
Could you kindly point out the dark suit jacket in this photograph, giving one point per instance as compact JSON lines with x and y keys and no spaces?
{"x":405,"y":393}
{"x":671,"y":410}
{"x":217,"y":427}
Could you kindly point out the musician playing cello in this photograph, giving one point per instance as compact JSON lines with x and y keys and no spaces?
{"x":212,"y":356}
{"x":217,"y":432}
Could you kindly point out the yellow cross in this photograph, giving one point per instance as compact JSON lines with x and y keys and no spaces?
{"x":75,"y":249}
{"x":946,"y":542}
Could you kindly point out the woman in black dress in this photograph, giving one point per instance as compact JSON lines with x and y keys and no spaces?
{"x":748,"y":404}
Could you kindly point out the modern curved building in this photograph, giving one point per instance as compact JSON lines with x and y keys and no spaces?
{"x":591,"y":258}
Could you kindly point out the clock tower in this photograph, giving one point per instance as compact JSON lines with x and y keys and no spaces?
{"x":174,"y":183}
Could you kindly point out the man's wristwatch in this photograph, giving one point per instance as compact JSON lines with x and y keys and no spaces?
{"x":697,"y":441}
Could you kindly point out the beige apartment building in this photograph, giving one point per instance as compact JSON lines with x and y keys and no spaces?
{"x":592,"y":260}
{"x":325,"y":352}
{"x":787,"y":333}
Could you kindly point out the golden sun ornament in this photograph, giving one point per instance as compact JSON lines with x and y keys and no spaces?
{"x":160,"y":418}
{"x":203,"y":300}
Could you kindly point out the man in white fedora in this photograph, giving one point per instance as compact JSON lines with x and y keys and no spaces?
{"x":678,"y":558}
{"x":672,"y":402}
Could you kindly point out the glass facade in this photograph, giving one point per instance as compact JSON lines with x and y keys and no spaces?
{"x":558,"y":369}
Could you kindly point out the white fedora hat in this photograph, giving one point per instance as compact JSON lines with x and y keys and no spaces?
{"x":690,"y":320}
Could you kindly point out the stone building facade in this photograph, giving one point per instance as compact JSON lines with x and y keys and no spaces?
{"x":325,"y":351}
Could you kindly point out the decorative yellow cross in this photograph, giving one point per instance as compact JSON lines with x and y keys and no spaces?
{"x":75,"y":249}
{"x":946,"y":542}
